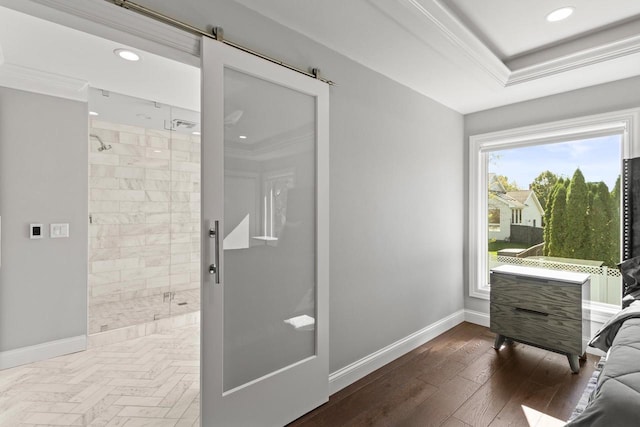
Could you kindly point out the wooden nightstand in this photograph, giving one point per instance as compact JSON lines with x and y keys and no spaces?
{"x":541,"y":307}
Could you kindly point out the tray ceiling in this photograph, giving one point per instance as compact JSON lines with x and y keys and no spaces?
{"x":473,"y":55}
{"x":512,"y":28}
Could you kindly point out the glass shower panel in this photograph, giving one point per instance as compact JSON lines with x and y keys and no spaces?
{"x":144,"y":211}
{"x":185,"y":211}
{"x":129,"y":207}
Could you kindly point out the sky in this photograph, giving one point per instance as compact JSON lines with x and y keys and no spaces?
{"x":599,"y":159}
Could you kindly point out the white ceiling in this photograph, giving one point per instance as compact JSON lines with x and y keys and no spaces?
{"x":469,"y":55}
{"x":31,"y":44}
{"x":509,"y":28}
{"x":473,"y":55}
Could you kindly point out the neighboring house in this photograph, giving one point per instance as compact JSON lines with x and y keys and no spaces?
{"x":511,"y":207}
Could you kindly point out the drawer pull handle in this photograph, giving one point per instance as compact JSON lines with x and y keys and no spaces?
{"x":526,"y":310}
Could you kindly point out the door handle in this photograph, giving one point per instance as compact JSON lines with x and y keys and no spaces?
{"x":214,"y":233}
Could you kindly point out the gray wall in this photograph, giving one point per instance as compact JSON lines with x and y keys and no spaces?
{"x":603,"y":98}
{"x":43,"y":179}
{"x":396,"y":239}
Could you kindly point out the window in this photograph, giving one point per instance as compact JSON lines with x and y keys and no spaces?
{"x":274,"y":201}
{"x":624,"y":123}
{"x":494,"y":219}
{"x":516,"y":216}
{"x":583,"y":232}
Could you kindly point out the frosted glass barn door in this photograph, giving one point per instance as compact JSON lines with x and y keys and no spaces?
{"x":265,"y":240}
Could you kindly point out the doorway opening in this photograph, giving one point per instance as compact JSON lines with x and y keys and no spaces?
{"x":114,"y":146}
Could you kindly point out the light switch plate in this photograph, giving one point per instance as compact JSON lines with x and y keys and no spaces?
{"x":35,"y":231}
{"x":59,"y":230}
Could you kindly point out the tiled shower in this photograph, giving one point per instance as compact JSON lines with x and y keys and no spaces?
{"x":144,"y":217}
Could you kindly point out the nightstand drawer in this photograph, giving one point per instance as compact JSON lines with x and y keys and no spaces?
{"x":547,"y":296}
{"x":547,"y":330}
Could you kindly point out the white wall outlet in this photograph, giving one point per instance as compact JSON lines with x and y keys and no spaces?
{"x":59,"y":230}
{"x":35,"y":231}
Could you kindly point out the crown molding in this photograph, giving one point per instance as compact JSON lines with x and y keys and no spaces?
{"x":434,"y":25}
{"x":437,"y":27}
{"x":105,"y":19}
{"x":32,"y":80}
{"x":461,"y":37}
{"x":120,"y":18}
{"x":584,"y":58}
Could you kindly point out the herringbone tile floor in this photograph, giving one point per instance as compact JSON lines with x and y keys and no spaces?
{"x":148,"y":381}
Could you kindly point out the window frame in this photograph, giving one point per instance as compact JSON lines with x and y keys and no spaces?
{"x":625,"y":123}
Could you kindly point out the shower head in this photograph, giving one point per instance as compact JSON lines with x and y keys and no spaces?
{"x":102,"y":147}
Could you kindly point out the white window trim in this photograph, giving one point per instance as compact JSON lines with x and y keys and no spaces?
{"x":625,"y":123}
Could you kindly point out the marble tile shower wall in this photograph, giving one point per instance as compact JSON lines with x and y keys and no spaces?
{"x":144,"y":203}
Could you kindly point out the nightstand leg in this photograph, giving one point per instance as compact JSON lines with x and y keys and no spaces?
{"x":573,"y":363}
{"x":499,"y":341}
{"x":584,"y":356}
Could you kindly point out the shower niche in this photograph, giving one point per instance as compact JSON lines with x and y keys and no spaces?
{"x":144,"y":215}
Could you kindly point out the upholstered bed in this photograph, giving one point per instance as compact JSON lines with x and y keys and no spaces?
{"x":615,"y":398}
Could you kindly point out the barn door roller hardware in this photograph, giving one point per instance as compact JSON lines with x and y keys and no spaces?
{"x":217,"y":33}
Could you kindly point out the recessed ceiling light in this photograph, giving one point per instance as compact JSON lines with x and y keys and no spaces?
{"x":195,"y":132}
{"x":560,"y":14}
{"x":157,"y":151}
{"x":242,"y":137}
{"x":93,"y":113}
{"x":127,"y":54}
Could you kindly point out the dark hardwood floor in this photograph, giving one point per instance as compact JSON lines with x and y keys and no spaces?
{"x":458,"y":379}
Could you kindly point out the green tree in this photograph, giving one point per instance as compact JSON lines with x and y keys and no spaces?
{"x":582,"y":220}
{"x":601,"y":218}
{"x":577,"y":236}
{"x":547,"y":216}
{"x":558,"y":223}
{"x":615,"y":193}
{"x":543,"y":185}
{"x":508,"y":186}
{"x":592,"y":189}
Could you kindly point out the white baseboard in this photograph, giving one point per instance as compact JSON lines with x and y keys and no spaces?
{"x":363,"y":367}
{"x":476,"y":317}
{"x":47,"y":350}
